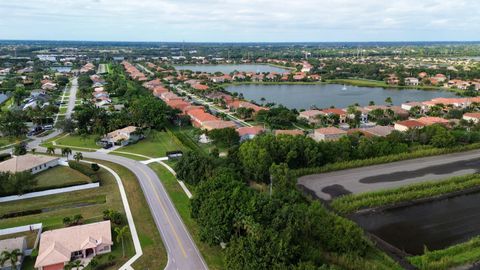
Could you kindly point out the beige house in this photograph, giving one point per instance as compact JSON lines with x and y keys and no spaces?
{"x":407,"y":125}
{"x":58,"y":247}
{"x":475,"y":117}
{"x":328,"y":134}
{"x":122,"y":136}
{"x":28,"y":162}
{"x":310,"y":115}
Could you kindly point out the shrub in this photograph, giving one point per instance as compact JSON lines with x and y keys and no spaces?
{"x":84,"y":169}
{"x":95,"y":167}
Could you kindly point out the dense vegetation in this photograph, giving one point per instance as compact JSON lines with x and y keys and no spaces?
{"x":281,"y":230}
{"x":298,"y":152}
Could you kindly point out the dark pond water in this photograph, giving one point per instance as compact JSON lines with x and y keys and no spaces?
{"x":226,"y":69}
{"x":435,"y":225}
{"x":326,"y":95}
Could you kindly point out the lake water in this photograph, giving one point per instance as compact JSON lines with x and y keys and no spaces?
{"x":326,"y":95}
{"x":226,"y":69}
{"x":62,"y":69}
{"x":435,"y":225}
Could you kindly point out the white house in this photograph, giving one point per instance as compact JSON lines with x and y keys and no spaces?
{"x":29,"y":162}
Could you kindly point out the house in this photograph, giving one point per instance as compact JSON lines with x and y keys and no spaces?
{"x":328,"y":134}
{"x":379,"y":131}
{"x":310,"y":115}
{"x":199,"y":116}
{"x":342,"y":115}
{"x":409,"y":105}
{"x":168,"y":96}
{"x":28,"y":162}
{"x":123,"y":136}
{"x":430,"y":120}
{"x":234,"y":105}
{"x":247,"y":133}
{"x":58,"y":247}
{"x":8,"y":245}
{"x":411,"y":81}
{"x":218,"y":124}
{"x":475,"y":117}
{"x":407,"y":125}
{"x":292,"y":132}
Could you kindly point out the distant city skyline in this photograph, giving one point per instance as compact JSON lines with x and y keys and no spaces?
{"x":241,"y":20}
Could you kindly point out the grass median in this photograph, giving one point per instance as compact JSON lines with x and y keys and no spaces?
{"x":353,"y":202}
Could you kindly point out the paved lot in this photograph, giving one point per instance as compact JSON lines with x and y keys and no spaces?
{"x":371,"y":178}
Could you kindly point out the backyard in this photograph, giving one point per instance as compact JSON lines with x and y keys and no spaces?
{"x":60,"y":176}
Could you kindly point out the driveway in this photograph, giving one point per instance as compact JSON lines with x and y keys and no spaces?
{"x":329,"y":185}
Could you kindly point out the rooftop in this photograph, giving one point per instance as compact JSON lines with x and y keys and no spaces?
{"x":24,"y":162}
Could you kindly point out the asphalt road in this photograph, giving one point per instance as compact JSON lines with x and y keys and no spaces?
{"x":329,"y":185}
{"x":181,"y":249}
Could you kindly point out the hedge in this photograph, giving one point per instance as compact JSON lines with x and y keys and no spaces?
{"x":84,"y":169}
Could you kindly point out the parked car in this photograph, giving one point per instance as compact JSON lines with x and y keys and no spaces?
{"x":107,"y":145}
{"x":48,"y":127}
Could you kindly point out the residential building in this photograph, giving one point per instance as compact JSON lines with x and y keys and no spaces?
{"x":310,"y":115}
{"x":407,"y":125}
{"x":430,"y":120}
{"x":342,"y":114}
{"x":218,"y":124}
{"x":328,"y":134}
{"x":58,"y":247}
{"x":28,"y":162}
{"x":248,"y":133}
{"x":411,"y":81}
{"x":475,"y":117}
{"x":123,"y":136}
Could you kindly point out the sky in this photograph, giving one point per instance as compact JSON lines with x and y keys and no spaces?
{"x":241,"y":20}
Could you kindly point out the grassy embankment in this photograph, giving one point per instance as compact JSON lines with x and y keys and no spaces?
{"x":84,"y":143}
{"x":353,"y":202}
{"x":448,"y":258}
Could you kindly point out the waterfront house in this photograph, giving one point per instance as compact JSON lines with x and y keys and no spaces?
{"x":310,"y":115}
{"x":430,"y":120}
{"x":60,"y":246}
{"x":247,"y":133}
{"x":411,"y":81}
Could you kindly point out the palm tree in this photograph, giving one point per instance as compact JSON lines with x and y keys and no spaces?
{"x":262,"y":99}
{"x":78,"y":156}
{"x":51,"y":150}
{"x":11,"y":256}
{"x":66,"y":152}
{"x":121,"y":235}
{"x":74,"y":265}
{"x":77,"y":219}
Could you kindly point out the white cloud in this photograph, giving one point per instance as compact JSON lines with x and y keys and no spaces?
{"x":241,"y":20}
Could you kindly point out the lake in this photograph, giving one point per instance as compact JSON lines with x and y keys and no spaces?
{"x":62,"y":69}
{"x":326,"y":95}
{"x":226,"y":69}
{"x":436,"y":225}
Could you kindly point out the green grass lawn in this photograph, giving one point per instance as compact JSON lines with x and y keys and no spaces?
{"x":7,"y":104}
{"x":63,"y":110}
{"x":60,"y":175}
{"x":9,"y":140}
{"x":88,"y":141}
{"x":212,"y":255}
{"x":89,"y":203}
{"x":156,"y":144}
